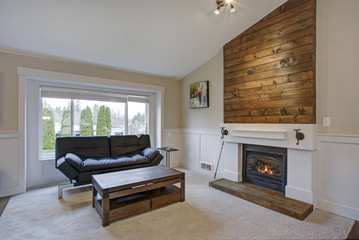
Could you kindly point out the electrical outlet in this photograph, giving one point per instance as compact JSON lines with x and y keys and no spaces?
{"x":326,"y":121}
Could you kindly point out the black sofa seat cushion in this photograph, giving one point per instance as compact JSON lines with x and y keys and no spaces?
{"x":91,"y":164}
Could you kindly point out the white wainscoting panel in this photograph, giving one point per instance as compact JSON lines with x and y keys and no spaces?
{"x":9,"y":164}
{"x":189,"y":150}
{"x":232,"y":161}
{"x":174,"y":142}
{"x":299,"y":175}
{"x":210,"y":147}
{"x":195,"y":146}
{"x":337,"y":175}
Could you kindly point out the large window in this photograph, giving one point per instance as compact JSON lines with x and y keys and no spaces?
{"x":74,"y":112}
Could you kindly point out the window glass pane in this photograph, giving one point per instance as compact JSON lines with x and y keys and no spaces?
{"x":137,"y":118}
{"x":78,"y":117}
{"x":98,"y":118}
{"x":56,"y":121}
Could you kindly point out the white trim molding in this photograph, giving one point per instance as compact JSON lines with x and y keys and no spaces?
{"x":299,"y":193}
{"x":337,"y":208}
{"x":338,"y":138}
{"x":9,"y":135}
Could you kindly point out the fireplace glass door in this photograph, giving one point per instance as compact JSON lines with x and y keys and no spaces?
{"x":262,"y":164}
{"x":265,"y":166}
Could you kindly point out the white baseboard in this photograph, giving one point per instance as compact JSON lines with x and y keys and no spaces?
{"x":233,"y":176}
{"x":299,"y":194}
{"x":4,"y":192}
{"x":337,"y":208}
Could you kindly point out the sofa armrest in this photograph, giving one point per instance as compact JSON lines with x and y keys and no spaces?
{"x":150,"y":153}
{"x":74,"y":160}
{"x":68,"y":170}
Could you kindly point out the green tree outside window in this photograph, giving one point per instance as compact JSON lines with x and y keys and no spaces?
{"x":48,"y":130}
{"x":104,"y":125}
{"x":66,"y":123}
{"x":86,"y":122}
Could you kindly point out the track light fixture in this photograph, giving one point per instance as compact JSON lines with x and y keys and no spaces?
{"x":224,"y":3}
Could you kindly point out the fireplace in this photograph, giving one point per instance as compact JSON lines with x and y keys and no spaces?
{"x":265,"y":166}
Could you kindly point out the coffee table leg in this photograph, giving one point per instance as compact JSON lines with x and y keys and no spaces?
{"x":94,"y":193}
{"x":182,"y":189}
{"x":105,"y":211}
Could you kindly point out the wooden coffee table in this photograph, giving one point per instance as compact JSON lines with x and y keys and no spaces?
{"x":125,"y":193}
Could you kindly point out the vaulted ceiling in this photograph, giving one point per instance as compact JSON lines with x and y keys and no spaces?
{"x":168,"y":38}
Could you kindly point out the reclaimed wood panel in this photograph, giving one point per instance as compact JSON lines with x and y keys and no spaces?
{"x":269,"y":70}
{"x":265,"y":197}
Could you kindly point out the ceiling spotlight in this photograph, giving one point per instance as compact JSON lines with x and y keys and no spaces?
{"x":224,"y":3}
{"x":217,"y":10}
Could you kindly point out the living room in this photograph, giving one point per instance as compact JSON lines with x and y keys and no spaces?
{"x":327,"y":178}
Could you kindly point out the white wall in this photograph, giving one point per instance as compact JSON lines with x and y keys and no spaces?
{"x":337,"y":65}
{"x":204,"y":118}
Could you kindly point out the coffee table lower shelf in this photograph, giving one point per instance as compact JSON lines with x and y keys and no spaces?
{"x":134,"y":204}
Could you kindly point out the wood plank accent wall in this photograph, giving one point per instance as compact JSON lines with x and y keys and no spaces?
{"x":269,"y":70}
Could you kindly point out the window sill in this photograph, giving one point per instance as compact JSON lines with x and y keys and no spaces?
{"x":46,"y":159}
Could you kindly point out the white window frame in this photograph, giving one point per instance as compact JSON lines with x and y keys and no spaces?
{"x":156,"y":93}
{"x":44,"y":84}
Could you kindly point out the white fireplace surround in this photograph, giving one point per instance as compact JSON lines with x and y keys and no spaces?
{"x":300,"y":157}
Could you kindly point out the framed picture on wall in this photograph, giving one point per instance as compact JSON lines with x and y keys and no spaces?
{"x":199,"y":97}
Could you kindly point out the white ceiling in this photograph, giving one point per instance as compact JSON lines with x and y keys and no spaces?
{"x":168,"y":38}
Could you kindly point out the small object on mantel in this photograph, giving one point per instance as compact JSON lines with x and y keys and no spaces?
{"x":298,"y":135}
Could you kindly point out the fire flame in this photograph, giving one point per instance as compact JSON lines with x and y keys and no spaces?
{"x":266,"y":170}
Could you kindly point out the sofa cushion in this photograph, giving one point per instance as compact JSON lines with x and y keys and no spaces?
{"x":128,"y":145}
{"x":84,"y":147}
{"x":91,"y":164}
{"x":150,"y":153}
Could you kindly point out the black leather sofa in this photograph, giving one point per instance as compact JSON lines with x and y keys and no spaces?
{"x":78,"y":158}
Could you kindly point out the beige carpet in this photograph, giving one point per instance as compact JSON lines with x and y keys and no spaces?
{"x":206,"y":214}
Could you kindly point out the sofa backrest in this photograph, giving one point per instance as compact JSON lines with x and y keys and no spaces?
{"x":128,"y":144}
{"x":83,"y":146}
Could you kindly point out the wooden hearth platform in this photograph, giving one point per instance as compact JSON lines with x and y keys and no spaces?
{"x":265,"y":197}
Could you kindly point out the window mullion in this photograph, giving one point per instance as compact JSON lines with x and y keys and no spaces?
{"x":147,"y":118}
{"x":126,"y":118}
{"x":72,"y":117}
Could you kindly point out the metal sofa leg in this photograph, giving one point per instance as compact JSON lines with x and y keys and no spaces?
{"x":62,"y":186}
